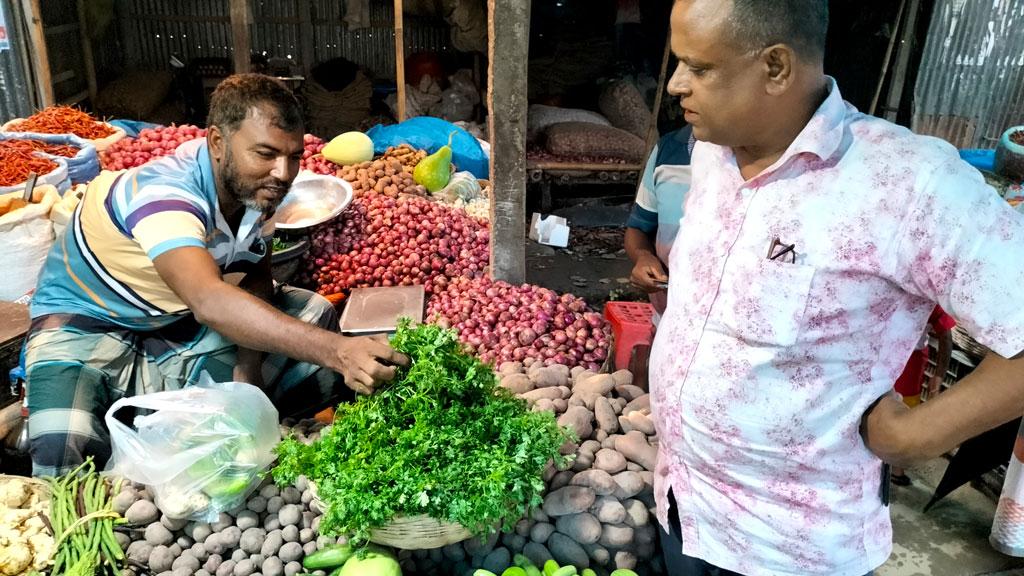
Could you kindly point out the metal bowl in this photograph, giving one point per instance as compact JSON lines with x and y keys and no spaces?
{"x":313,"y":199}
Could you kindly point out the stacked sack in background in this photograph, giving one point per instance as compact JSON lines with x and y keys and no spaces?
{"x":617,"y":134}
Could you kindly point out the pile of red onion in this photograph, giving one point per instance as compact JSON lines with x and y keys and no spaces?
{"x":384,"y":241}
{"x":501,"y":323}
{"x":152,"y":143}
{"x":311,"y":158}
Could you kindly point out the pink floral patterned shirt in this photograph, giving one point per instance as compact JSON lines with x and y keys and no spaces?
{"x":762,"y":369}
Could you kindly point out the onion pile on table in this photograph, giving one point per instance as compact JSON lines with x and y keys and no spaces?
{"x":311,"y":158}
{"x":384,"y":241}
{"x":505,"y":323}
{"x":152,"y":143}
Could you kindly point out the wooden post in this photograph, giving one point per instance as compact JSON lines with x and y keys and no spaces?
{"x":508,"y":44}
{"x":400,"y":59}
{"x":40,"y":56}
{"x":903,"y":53}
{"x":90,"y":64}
{"x":888,"y":58}
{"x":240,"y":38}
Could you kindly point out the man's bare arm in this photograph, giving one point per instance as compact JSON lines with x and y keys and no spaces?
{"x":990,"y":396}
{"x":252,"y":323}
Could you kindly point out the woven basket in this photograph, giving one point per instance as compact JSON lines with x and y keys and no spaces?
{"x":968,"y":344}
{"x":411,"y":532}
{"x":419,"y":533}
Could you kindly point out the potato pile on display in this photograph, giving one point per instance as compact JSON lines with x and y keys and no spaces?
{"x":391,"y":174}
{"x":270,"y":535}
{"x":599,"y":513}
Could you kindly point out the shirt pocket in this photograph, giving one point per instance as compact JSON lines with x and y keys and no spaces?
{"x":762,"y":301}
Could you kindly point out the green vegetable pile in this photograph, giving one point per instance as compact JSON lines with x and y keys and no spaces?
{"x":442,"y":440}
{"x":523,"y":567}
{"x":279,"y":244}
{"x":83,"y":519}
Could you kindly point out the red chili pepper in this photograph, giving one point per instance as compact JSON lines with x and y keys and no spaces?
{"x":64,"y":120}
{"x":17,"y":160}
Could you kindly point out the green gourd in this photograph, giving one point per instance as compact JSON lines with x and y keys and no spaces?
{"x":372,"y":564}
{"x":434,"y":171}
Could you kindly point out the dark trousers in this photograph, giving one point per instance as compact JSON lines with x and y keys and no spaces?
{"x":679,"y":564}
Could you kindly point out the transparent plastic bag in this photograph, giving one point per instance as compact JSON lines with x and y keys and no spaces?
{"x":462,"y":186}
{"x":200,"y":449}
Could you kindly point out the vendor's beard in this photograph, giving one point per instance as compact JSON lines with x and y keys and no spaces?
{"x":246,"y":191}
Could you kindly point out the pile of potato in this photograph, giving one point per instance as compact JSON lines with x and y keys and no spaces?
{"x":271,"y":535}
{"x":597,"y":514}
{"x":390,"y":174}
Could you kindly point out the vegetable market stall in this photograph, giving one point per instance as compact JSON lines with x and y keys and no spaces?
{"x":574,"y":487}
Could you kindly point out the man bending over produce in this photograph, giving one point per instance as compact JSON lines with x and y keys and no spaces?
{"x":816,"y":242}
{"x":134,"y":299}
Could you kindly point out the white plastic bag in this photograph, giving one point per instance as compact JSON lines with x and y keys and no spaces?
{"x":26,"y":235}
{"x":202,"y":449}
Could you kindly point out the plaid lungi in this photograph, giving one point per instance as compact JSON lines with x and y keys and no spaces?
{"x":78,"y":366}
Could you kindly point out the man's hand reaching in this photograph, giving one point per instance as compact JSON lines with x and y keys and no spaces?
{"x":366,"y":362}
{"x":648,"y":272}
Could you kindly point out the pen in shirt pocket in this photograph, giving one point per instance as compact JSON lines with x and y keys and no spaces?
{"x":779,"y":251}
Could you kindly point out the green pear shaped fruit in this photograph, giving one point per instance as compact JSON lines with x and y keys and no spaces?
{"x":434,"y":171}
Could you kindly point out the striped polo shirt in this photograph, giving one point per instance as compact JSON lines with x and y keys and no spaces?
{"x":102,"y":266}
{"x":660,"y":197}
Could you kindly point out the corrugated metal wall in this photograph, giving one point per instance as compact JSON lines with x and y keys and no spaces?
{"x":971,"y":84}
{"x":15,"y":89}
{"x":154,"y":29}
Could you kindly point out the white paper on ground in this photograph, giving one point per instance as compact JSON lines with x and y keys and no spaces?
{"x":549,"y":230}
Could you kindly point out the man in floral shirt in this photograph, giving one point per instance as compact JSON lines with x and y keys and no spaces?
{"x":816,"y":243}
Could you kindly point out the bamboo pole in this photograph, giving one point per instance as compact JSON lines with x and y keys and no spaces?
{"x":87,"y":56}
{"x":40,"y":56}
{"x":888,"y":58}
{"x":400,"y":59}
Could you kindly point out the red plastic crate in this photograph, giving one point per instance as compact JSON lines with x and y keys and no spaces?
{"x":631,"y":325}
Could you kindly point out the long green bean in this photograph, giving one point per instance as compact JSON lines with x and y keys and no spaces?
{"x":83,"y":519}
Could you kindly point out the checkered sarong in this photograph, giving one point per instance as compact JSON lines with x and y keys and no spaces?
{"x":78,"y":366}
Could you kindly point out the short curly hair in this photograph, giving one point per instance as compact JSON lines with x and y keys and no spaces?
{"x":237,"y":95}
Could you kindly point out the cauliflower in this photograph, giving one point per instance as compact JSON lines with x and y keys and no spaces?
{"x":177,"y":503}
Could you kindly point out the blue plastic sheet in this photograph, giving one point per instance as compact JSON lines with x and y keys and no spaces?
{"x":980,"y":159}
{"x":429,"y":134}
{"x":132,"y":127}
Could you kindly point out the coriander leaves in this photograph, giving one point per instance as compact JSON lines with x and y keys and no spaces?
{"x":442,"y":440}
